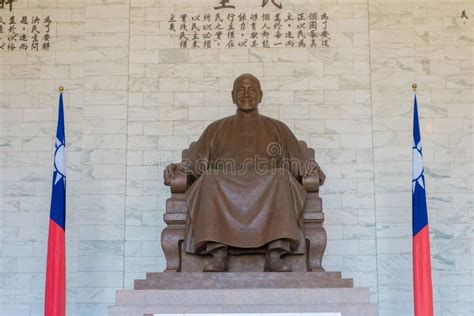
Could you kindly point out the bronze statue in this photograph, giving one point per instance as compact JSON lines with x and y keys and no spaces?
{"x":247,"y":194}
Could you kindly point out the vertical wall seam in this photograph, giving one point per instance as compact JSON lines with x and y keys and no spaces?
{"x":126,"y":148}
{"x":373,"y":153}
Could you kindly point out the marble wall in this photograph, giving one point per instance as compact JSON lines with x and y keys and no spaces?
{"x":28,"y":114}
{"x":134,"y":100}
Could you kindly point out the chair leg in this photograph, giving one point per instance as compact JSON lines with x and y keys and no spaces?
{"x":171,"y":238}
{"x":315,"y":246}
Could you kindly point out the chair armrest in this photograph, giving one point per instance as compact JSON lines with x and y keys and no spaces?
{"x":180,"y":183}
{"x":313,"y":182}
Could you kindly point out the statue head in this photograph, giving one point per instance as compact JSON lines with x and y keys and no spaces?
{"x":247,"y":93}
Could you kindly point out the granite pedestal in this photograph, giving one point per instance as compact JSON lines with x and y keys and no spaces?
{"x":258,"y":292}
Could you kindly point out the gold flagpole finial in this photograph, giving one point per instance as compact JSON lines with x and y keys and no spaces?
{"x":414,"y":87}
{"x":61,"y":89}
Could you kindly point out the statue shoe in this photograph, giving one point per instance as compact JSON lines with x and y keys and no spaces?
{"x":276,"y":265}
{"x":219,"y":261}
{"x":216,"y":264}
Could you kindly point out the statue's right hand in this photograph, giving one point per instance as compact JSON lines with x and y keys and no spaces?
{"x":170,"y":172}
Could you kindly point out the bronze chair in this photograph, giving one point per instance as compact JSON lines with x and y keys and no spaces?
{"x":172,"y":236}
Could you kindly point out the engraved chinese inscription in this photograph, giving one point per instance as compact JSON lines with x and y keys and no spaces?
{"x":25,"y":33}
{"x":250,"y":30}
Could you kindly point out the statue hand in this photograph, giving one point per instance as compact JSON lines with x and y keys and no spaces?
{"x":309,"y":172}
{"x":313,"y":169}
{"x":170,"y":172}
{"x":309,"y":169}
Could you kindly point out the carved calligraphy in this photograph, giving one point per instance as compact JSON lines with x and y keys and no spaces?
{"x":231,"y":29}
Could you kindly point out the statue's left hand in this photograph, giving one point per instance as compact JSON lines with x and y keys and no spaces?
{"x":308,"y":172}
{"x":309,"y":168}
{"x":313,"y":169}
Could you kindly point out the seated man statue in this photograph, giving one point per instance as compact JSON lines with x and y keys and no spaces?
{"x":246,"y":196}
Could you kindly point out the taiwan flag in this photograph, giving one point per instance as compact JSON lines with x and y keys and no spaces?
{"x":55,"y":290}
{"x":422,"y":287}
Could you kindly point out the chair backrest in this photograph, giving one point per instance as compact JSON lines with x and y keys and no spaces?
{"x":187,"y":151}
{"x":305,"y":147}
{"x":302,"y":143}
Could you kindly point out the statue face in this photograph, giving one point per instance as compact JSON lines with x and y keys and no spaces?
{"x":247,"y":94}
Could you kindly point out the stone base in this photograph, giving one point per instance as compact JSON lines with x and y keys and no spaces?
{"x":251,"y":280}
{"x":179,"y":293}
{"x":347,"y":301}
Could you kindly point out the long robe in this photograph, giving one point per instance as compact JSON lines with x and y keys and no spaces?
{"x":247,"y":192}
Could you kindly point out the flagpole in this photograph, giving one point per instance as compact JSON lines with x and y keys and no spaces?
{"x":61,"y":89}
{"x":414,"y":86}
